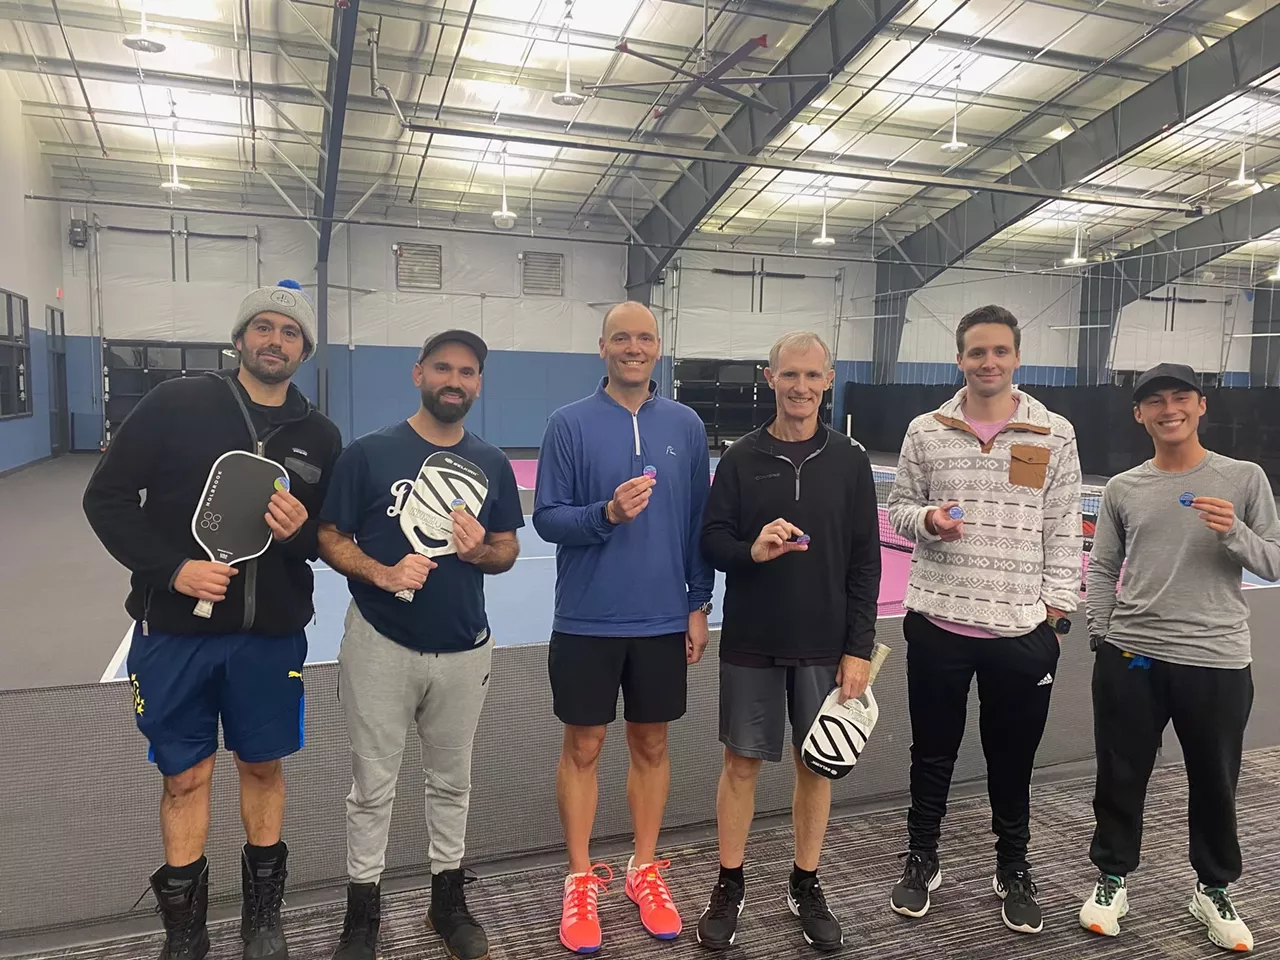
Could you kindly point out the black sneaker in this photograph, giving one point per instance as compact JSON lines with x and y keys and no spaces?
{"x":920,"y":877}
{"x":184,"y":905}
{"x":262,"y":885}
{"x":718,"y":925}
{"x":359,"y":940}
{"x":806,"y":901}
{"x":464,"y":939}
{"x":1021,"y":912}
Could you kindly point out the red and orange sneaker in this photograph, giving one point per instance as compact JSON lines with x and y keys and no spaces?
{"x":649,"y":892}
{"x":579,"y":917}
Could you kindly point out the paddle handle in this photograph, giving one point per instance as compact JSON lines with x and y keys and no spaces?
{"x":406,"y":595}
{"x":878,"y":657}
{"x":204,"y":608}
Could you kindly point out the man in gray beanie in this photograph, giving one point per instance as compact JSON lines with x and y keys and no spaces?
{"x":241,"y":667}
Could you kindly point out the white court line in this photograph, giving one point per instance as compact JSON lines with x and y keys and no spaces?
{"x":122,"y":651}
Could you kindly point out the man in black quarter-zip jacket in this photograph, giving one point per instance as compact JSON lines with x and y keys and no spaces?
{"x":243,"y":665}
{"x":792,"y":520}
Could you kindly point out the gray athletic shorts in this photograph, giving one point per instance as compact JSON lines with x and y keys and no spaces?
{"x":755,"y":702}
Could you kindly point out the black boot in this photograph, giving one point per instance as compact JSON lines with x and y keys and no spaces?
{"x":184,"y":904}
{"x":464,"y":939}
{"x":359,"y":940}
{"x":262,"y":883}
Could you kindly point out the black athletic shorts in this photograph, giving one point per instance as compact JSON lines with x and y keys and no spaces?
{"x":587,"y":672}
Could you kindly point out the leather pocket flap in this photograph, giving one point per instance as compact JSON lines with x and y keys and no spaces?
{"x":1029,"y":453}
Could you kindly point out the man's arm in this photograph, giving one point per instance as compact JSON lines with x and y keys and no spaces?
{"x":556,"y":517}
{"x":112,"y":503}
{"x":862,"y":581}
{"x":1253,"y":541}
{"x":340,"y":551}
{"x":699,"y":575}
{"x":1105,"y":562}
{"x":722,"y":543}
{"x":497,"y":554}
{"x":909,"y":504}
{"x":1062,"y":533}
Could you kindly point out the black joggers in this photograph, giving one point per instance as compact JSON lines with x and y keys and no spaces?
{"x":1015,"y":680}
{"x":1133,"y":701}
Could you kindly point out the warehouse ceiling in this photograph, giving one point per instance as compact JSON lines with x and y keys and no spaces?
{"x":943,"y":97}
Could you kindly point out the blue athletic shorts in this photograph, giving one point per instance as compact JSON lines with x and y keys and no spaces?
{"x":184,"y":684}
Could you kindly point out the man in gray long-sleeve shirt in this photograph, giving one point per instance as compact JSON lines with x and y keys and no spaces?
{"x":1174,"y":645}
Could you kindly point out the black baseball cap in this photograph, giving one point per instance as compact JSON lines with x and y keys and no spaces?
{"x":464,"y":337}
{"x":1162,"y":376}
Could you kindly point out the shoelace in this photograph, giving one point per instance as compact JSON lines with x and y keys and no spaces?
{"x":583,"y":891}
{"x":724,"y":901}
{"x":1104,"y":893}
{"x":649,"y":883}
{"x":1222,"y":901}
{"x":1019,"y":886}
{"x":265,"y":899}
{"x":916,"y":874}
{"x":455,"y":897}
{"x":812,"y":902}
{"x":365,"y":913}
{"x":181,"y":928}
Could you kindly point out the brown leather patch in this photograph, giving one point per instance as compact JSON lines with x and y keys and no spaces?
{"x":1028,"y":465}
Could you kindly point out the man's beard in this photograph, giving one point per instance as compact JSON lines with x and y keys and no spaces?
{"x":446,"y":412}
{"x":268,"y":374}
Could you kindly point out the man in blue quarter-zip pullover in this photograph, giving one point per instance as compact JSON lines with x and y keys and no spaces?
{"x":622,"y":479}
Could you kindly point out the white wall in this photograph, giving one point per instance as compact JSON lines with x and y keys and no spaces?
{"x":481,"y":289}
{"x":1192,"y":333}
{"x":30,"y":265}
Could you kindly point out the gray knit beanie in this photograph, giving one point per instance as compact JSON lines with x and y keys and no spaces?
{"x":285,"y":298}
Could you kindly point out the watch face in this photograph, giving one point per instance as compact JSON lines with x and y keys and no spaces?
{"x":1063,"y":625}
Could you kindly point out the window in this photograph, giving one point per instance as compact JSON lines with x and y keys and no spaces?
{"x":55,"y":325}
{"x":543,"y":274}
{"x":15,"y":356}
{"x":419,"y":266}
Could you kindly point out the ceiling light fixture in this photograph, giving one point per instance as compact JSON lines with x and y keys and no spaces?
{"x":141,"y":42}
{"x":174,"y":184}
{"x":568,"y":97}
{"x":504,"y":219}
{"x":1241,"y":180}
{"x":1076,"y":259}
{"x":822,"y":240}
{"x":956,"y":144}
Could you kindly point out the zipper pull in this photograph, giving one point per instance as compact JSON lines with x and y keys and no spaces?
{"x":146,"y":630}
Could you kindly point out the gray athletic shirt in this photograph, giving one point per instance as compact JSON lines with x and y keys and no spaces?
{"x":1181,"y":598}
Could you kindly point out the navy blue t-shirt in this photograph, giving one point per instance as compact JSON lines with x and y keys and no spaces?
{"x":394,"y":471}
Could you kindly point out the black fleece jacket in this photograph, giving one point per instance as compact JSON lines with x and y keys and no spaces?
{"x":165,"y":447}
{"x":811,"y":604}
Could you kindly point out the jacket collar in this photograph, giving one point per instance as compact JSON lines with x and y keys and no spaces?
{"x":295,"y":402}
{"x":767,"y":443}
{"x":1031,"y":415}
{"x":603,"y":394}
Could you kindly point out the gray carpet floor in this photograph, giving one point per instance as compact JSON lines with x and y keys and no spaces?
{"x":860,"y":864}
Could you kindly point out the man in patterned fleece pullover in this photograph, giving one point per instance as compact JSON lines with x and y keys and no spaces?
{"x":988,"y":487}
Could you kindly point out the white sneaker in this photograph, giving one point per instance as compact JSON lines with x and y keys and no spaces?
{"x":1103,"y":910}
{"x":1212,"y":906}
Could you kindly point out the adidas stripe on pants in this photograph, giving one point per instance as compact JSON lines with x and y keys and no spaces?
{"x":1015,"y":681}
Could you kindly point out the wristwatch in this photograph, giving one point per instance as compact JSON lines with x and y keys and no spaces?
{"x":705,"y":609}
{"x":1059,"y":625}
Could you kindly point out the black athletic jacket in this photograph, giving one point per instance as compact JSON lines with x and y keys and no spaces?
{"x":808,"y":605}
{"x":166,"y":446}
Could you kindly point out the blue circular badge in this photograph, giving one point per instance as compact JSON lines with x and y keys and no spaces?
{"x":1186,"y":499}
{"x":956,"y":513}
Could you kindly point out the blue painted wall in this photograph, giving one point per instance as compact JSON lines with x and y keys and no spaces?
{"x":25,"y":439}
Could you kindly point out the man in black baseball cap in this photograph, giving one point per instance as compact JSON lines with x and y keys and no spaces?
{"x":1164,"y":376}
{"x":1173,"y":645}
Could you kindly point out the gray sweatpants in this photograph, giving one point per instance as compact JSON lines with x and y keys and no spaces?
{"x":384,"y":687}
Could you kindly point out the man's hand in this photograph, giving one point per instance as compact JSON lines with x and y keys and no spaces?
{"x":775,"y":539}
{"x":1218,"y":515}
{"x":468,"y":536}
{"x":285,"y":515}
{"x":938,"y":521}
{"x":409,"y":574}
{"x":204,"y":580}
{"x":629,"y":499}
{"x":695,"y":638}
{"x":852,"y":677}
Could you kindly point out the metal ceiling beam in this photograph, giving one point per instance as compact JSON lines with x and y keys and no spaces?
{"x":1106,"y":288}
{"x":1211,"y":76}
{"x":839,"y":34}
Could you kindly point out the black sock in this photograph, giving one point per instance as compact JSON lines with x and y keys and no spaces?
{"x":798,"y":876}
{"x":732,"y":875}
{"x":190,"y":872}
{"x":262,"y":854}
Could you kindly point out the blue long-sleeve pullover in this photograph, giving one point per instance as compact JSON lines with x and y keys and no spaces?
{"x":629,"y":580}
